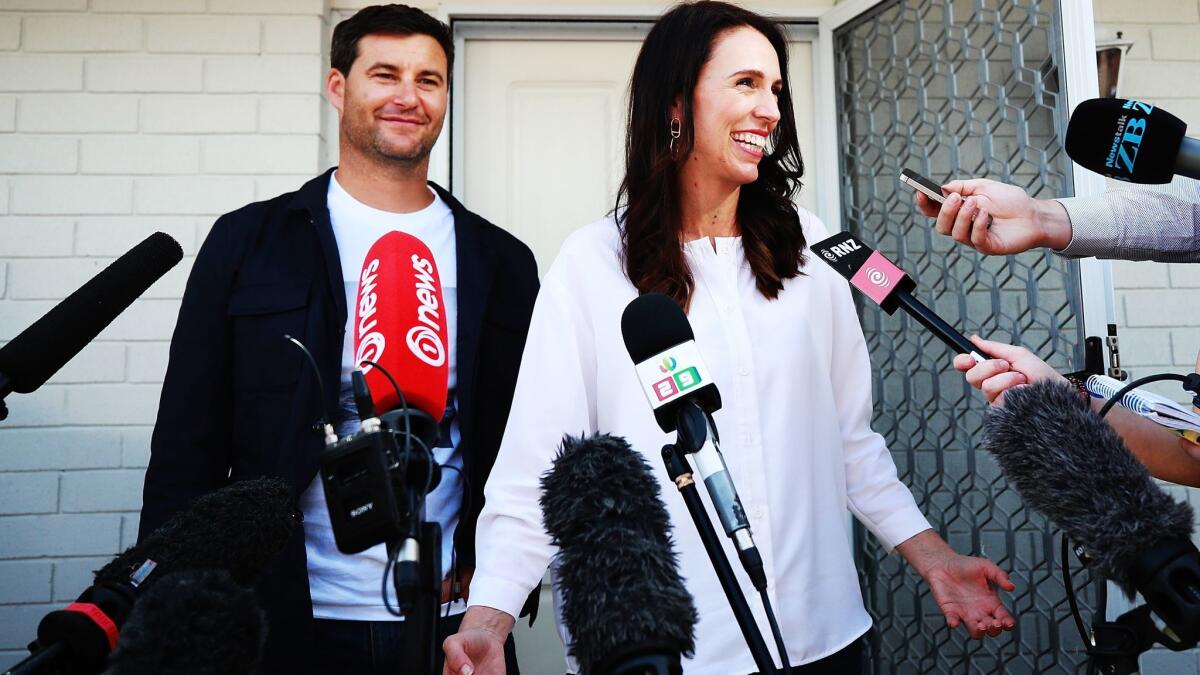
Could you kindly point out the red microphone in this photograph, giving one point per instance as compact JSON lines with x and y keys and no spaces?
{"x":400,"y":323}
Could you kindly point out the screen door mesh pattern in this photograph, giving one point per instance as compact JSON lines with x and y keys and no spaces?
{"x":958,"y":89}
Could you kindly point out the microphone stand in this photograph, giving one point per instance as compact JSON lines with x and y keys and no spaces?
{"x":681,"y":473}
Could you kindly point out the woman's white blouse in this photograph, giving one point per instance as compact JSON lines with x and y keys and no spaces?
{"x":795,"y":381}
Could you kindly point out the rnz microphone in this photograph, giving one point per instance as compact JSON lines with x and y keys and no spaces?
{"x":1131,"y":141}
{"x":683,"y":395}
{"x":239,"y":529}
{"x":38,"y":352}
{"x":872,"y":274}
{"x":624,"y":601}
{"x":1072,"y":467}
{"x":400,"y":323}
{"x":193,"y":622}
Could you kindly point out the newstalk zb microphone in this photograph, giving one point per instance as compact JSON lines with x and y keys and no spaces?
{"x":1131,"y":141}
{"x":623,"y":599}
{"x":879,"y":279}
{"x":34,"y":355}
{"x":400,"y":323}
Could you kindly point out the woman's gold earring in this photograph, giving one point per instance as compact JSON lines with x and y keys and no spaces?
{"x":676,"y":129}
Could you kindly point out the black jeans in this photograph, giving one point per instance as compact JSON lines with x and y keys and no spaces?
{"x":376,"y":647}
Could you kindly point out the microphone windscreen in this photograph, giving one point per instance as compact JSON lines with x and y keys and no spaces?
{"x":195,"y":622}
{"x":617,"y":571}
{"x":38,"y":352}
{"x":1068,"y":464}
{"x":240,"y":528}
{"x":1125,"y":139}
{"x":400,"y":323}
{"x":653,"y":323}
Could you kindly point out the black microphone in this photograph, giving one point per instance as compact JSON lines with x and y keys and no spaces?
{"x":623,"y":599}
{"x":679,"y":387}
{"x":239,"y":528}
{"x":880,"y":279}
{"x":1072,"y":467}
{"x":193,"y":622}
{"x":1131,"y":141}
{"x":33,"y":356}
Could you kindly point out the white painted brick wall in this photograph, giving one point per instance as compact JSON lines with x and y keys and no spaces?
{"x":1156,"y":303}
{"x":119,"y":118}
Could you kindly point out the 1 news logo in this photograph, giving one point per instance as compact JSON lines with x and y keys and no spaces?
{"x":676,"y":382}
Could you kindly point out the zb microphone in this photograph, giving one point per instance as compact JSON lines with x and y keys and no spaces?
{"x":622,"y":597}
{"x":683,"y":395}
{"x":1131,"y":141}
{"x":33,"y":356}
{"x":879,"y":279}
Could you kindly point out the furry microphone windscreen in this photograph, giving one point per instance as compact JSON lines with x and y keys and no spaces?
{"x":617,"y":570}
{"x":196,"y":622}
{"x":239,"y":528}
{"x":1067,"y":463}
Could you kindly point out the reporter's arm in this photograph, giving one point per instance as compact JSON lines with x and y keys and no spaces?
{"x":1137,"y":223}
{"x":1157,"y":448}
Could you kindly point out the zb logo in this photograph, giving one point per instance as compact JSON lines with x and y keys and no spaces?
{"x":675,"y":382}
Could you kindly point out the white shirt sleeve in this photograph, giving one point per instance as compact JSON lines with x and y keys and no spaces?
{"x":874,"y":493}
{"x":554,"y":395}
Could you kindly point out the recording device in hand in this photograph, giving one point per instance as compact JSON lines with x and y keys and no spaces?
{"x":1132,"y":141}
{"x":376,"y":479}
{"x":624,"y":601}
{"x":38,"y":352}
{"x":192,"y":622}
{"x":872,"y":274}
{"x":239,"y":529}
{"x":683,"y":395}
{"x":1072,"y":467}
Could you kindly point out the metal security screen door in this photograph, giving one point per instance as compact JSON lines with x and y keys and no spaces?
{"x":958,"y":88}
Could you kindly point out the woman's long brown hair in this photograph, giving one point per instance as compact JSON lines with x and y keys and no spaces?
{"x":648,"y":201}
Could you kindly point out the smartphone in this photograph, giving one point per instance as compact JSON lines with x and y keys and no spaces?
{"x":922,"y":184}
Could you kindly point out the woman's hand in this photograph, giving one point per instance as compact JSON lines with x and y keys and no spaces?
{"x":1013,"y":366}
{"x":478,"y":646}
{"x":963,"y":586}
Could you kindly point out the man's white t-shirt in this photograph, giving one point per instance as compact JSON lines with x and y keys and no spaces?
{"x":348,"y":586}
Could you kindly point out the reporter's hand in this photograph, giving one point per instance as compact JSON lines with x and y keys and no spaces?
{"x":1013,"y":366}
{"x":478,"y":646}
{"x":1018,"y":222}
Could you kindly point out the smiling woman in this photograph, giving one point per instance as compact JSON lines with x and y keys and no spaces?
{"x":705,"y":215}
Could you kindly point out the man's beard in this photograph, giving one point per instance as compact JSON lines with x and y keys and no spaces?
{"x":372,"y":142}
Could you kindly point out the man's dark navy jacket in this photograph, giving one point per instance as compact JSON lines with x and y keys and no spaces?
{"x":238,"y":402}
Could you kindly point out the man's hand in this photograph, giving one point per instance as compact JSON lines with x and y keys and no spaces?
{"x":1013,"y":367}
{"x":963,"y":586}
{"x":996,"y":218}
{"x":478,"y":646}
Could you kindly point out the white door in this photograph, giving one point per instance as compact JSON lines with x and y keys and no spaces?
{"x":539,"y":123}
{"x":537,"y":142}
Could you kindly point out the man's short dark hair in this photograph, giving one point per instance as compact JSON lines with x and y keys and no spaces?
{"x":385,"y":20}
